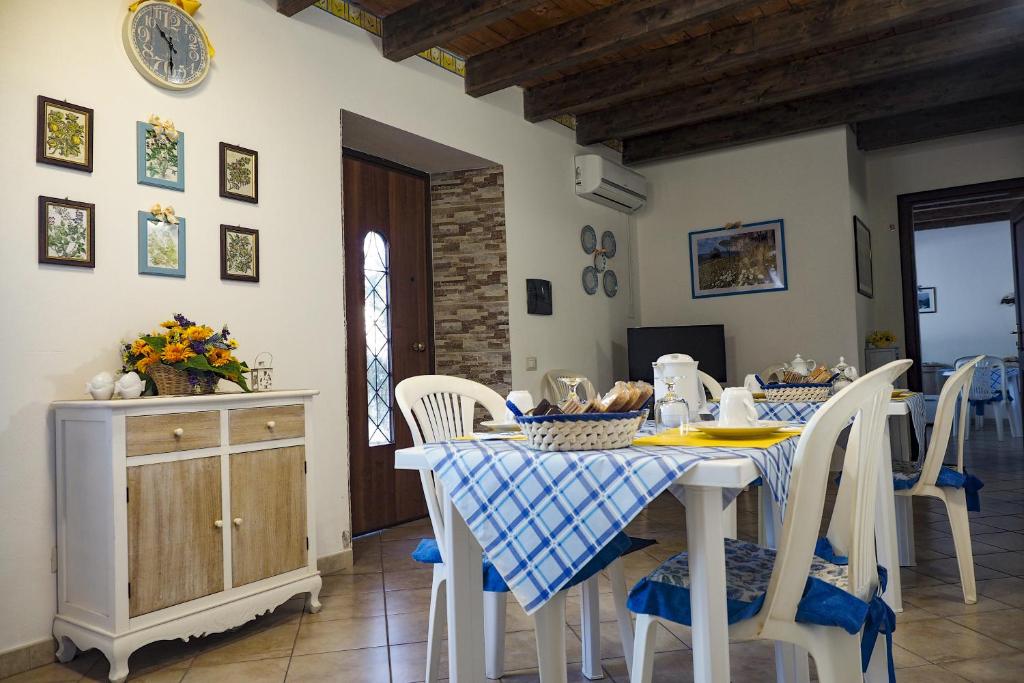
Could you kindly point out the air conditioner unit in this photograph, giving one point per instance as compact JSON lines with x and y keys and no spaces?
{"x":608,"y":183}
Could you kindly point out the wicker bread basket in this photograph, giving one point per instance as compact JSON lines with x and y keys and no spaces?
{"x":173,"y":382}
{"x":586,"y":432}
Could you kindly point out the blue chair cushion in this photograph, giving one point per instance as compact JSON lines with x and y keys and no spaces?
{"x":906,"y":474}
{"x":665,"y":592}
{"x":621,"y":544}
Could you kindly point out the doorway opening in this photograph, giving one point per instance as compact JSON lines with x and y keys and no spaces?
{"x":426,"y":291}
{"x":961,"y":286}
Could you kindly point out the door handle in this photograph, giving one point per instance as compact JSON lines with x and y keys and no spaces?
{"x":419,"y":347}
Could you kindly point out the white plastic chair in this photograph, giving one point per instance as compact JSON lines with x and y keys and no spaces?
{"x":555,"y":390}
{"x":955,"y":499}
{"x":851,"y":533}
{"x":439,"y":408}
{"x":711,"y":385}
{"x":984,"y":395}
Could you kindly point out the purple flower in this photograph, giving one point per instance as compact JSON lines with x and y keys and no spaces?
{"x":199,"y":347}
{"x":225,"y":333}
{"x":182,"y":320}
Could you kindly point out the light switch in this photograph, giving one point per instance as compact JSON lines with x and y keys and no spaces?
{"x":531,"y":363}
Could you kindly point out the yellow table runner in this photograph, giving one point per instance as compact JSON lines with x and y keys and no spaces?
{"x":671,"y":438}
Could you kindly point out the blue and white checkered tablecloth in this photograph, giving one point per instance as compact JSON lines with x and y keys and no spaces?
{"x":541,"y":516}
{"x":800,"y":412}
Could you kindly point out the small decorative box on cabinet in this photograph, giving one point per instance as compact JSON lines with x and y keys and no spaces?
{"x":180,"y":516}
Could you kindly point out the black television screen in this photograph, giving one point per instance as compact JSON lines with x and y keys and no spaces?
{"x":704,"y":343}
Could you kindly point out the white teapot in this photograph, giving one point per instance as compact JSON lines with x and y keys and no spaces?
{"x":799,"y":365}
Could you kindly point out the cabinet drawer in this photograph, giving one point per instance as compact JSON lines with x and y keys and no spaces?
{"x":249,"y":425}
{"x":172,"y":432}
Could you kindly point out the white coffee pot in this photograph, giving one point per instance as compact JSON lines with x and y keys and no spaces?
{"x":687,"y":384}
{"x":804,"y":367}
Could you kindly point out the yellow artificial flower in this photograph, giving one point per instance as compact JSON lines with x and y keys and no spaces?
{"x":169,"y":324}
{"x":232,"y":343}
{"x":139,"y":346}
{"x":199,"y":333}
{"x":218,"y":357}
{"x":177,"y":352}
{"x":150,"y":358}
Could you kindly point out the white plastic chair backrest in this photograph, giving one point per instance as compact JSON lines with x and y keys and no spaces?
{"x":712,"y":386}
{"x":866,"y":402}
{"x":950,"y":401}
{"x":982,"y":388}
{"x":555,"y":390}
{"x":438,"y":408}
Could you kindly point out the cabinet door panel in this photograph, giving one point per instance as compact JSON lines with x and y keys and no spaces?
{"x":175,"y":551}
{"x":268,"y":510}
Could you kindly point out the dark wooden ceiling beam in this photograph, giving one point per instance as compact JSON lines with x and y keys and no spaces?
{"x":966,"y":211}
{"x":1002,"y":73}
{"x":939,"y":122}
{"x":292,"y":7}
{"x":942,"y":45}
{"x":799,"y":31}
{"x":625,"y":24}
{"x":427,"y":23}
{"x":972,"y":219}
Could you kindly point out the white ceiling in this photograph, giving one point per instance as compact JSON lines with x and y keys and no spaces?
{"x":387,"y":142}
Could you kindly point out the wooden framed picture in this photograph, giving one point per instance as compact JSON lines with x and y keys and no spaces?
{"x":740,"y":258}
{"x":67,"y":232}
{"x":239,"y":173}
{"x":161,"y":245}
{"x":926,"y":302}
{"x":862,"y":247}
{"x":160,"y":156}
{"x":239,"y":253}
{"x":64,"y":134}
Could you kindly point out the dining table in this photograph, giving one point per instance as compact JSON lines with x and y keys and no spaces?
{"x":540,"y":516}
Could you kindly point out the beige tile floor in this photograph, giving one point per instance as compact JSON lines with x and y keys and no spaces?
{"x":373,"y":623}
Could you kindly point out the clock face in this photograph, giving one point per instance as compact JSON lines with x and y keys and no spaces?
{"x":166,"y":45}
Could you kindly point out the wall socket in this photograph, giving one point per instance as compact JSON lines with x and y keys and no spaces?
{"x":531,"y":363}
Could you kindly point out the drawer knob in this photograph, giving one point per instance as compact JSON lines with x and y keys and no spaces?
{"x":219,"y":523}
{"x":237,"y":521}
{"x":178,"y":433}
{"x":271,"y":424}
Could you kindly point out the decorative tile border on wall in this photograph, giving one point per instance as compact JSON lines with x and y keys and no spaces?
{"x":471,"y":335}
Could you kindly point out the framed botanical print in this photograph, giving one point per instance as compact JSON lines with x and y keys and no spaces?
{"x":64,"y":134}
{"x":67,"y":232}
{"x":239,"y":173}
{"x":239,"y":253}
{"x":161,"y":244}
{"x":160,"y":154}
{"x":862,"y":248}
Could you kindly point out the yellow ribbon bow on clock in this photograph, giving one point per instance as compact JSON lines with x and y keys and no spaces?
{"x":190,"y":7}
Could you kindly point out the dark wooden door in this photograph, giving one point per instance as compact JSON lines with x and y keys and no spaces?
{"x":1017,"y":235}
{"x":387,"y":296}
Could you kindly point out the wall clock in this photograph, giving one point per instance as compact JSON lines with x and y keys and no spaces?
{"x":166,"y":45}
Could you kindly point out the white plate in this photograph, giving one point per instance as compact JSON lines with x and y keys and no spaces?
{"x":498,"y":426}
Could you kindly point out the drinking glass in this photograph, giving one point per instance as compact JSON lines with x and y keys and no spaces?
{"x":572,"y":383}
{"x":671,"y":411}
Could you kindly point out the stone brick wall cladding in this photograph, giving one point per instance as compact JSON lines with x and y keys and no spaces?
{"x":467,"y":216}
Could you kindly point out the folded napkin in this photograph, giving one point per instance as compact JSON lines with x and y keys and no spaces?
{"x":697,"y":439}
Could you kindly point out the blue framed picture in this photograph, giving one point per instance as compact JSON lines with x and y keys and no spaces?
{"x":160,"y":156}
{"x":161,"y":246}
{"x":740,"y":258}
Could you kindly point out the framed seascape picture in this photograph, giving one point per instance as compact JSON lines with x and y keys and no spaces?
{"x":740,"y":258}
{"x":64,"y":134}
{"x":67,"y":232}
{"x":239,"y":253}
{"x":161,"y":244}
{"x":926,"y":302}
{"x":239,"y":173}
{"x":862,"y":247}
{"x":160,"y":155}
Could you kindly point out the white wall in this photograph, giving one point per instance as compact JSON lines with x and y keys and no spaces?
{"x":278,"y":86}
{"x":802,"y":179}
{"x":949,"y":162}
{"x":971,"y":268}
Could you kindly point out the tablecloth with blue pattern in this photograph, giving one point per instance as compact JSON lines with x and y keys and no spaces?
{"x":540,"y":516}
